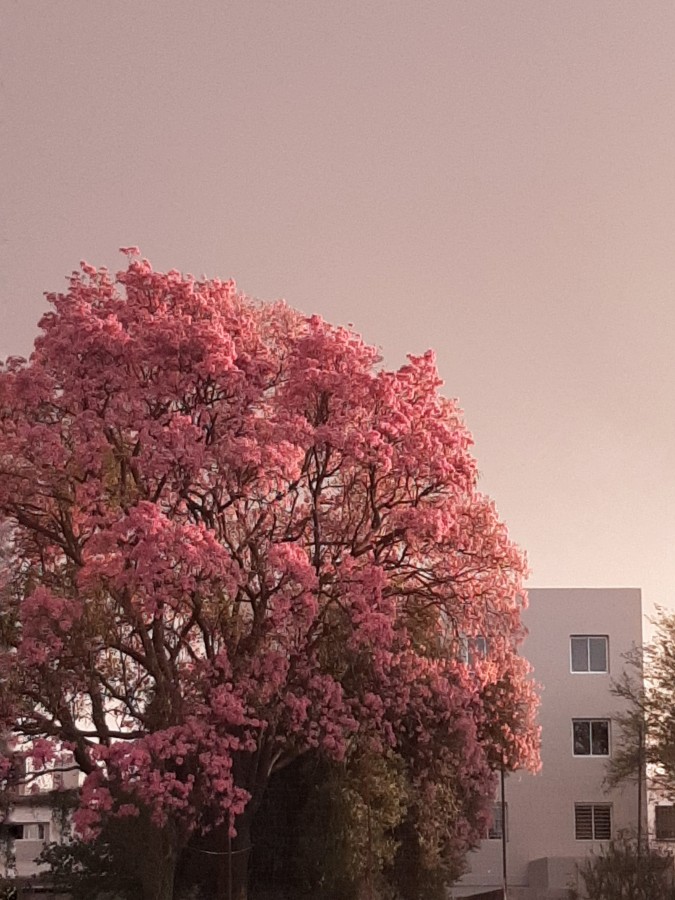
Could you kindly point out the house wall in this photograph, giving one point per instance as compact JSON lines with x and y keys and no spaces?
{"x":25,"y":852}
{"x":541,"y":846}
{"x":32,"y":808}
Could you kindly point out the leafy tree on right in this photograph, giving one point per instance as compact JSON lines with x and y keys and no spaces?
{"x":648,"y":726}
{"x":632,"y":867}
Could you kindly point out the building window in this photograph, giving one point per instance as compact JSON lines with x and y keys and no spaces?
{"x":588,"y":653}
{"x":590,"y":737}
{"x":496,"y":831}
{"x":472,"y":649}
{"x":35,"y":831}
{"x":24,"y":831}
{"x":664,"y":822}
{"x":592,"y":821}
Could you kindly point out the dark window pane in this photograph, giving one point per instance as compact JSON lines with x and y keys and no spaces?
{"x":602,"y":823}
{"x":598,"y":654}
{"x":495,"y":832}
{"x":665,"y":823}
{"x":579,"y":654}
{"x":480,"y":646}
{"x":583,"y":822}
{"x":600,"y":738}
{"x":11,"y":831}
{"x":582,"y":738}
{"x":463,"y":649}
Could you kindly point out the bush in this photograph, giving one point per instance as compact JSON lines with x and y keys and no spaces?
{"x":617,"y":872}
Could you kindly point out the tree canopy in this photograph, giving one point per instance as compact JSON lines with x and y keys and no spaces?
{"x":233,"y":536}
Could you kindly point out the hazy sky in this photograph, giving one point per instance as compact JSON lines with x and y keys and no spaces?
{"x":495,"y":180}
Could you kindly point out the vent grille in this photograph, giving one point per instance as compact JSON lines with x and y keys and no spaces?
{"x":592,"y":822}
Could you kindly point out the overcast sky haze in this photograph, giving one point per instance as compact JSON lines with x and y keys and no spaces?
{"x":495,"y":180}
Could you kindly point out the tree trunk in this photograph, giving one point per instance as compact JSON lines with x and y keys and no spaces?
{"x":157,"y":864}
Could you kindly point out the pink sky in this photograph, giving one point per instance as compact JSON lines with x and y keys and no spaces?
{"x":493,"y":180}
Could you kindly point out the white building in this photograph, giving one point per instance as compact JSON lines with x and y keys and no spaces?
{"x":28,"y":825}
{"x":576,"y":642}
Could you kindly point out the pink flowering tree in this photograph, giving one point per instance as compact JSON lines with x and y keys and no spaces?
{"x":235,"y":538}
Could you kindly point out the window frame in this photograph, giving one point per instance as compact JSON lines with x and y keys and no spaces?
{"x":591,"y":720}
{"x":588,"y":638}
{"x":36,"y":831}
{"x":593,"y":807}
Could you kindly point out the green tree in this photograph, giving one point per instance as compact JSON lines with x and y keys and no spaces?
{"x":348,"y":840}
{"x":97,"y":868}
{"x":647,"y":721}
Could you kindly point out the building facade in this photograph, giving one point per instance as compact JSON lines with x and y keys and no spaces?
{"x":576,"y":644}
{"x":30,"y":823}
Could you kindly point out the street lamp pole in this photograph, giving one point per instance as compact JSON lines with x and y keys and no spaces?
{"x":503,"y":805}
